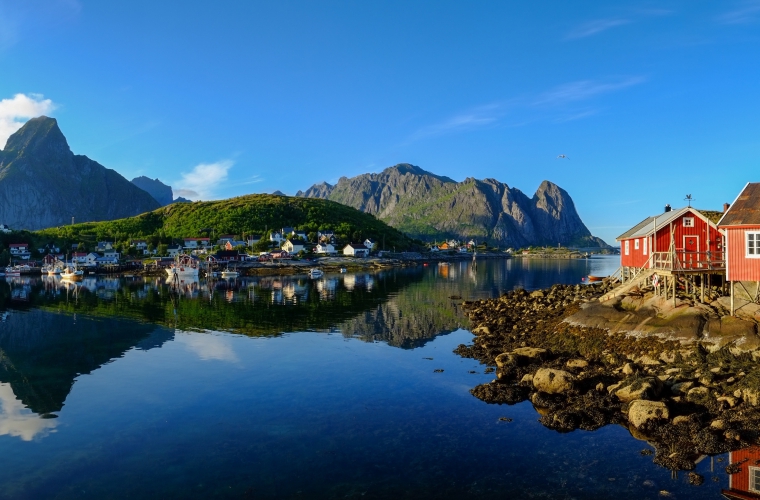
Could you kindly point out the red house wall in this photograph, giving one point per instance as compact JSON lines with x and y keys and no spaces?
{"x":739,"y":267}
{"x":635,"y":258}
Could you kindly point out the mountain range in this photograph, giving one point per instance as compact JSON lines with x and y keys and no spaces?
{"x":44,"y":184}
{"x":158,"y":190}
{"x":430,"y":207}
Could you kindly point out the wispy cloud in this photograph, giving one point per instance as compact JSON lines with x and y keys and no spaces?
{"x":201,"y":182}
{"x":208,"y":346}
{"x":576,"y":116}
{"x":748,"y":13}
{"x":595,"y":27}
{"x":16,"y":111}
{"x":585,"y":89}
{"x":255,"y":179}
{"x":474,"y":118}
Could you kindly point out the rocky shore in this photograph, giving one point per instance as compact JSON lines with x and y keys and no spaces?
{"x":684,"y":377}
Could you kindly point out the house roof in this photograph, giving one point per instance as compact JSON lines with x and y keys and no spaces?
{"x":745,"y":209}
{"x":19,"y":244}
{"x":646,"y":227}
{"x":357,"y":246}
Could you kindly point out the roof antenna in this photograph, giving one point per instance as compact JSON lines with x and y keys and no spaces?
{"x":689,"y":199}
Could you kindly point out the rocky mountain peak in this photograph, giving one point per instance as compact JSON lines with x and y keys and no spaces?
{"x":40,"y":137}
{"x":408,"y":168}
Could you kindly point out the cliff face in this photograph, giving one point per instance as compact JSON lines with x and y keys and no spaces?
{"x":43,"y":184}
{"x":429,"y":206}
{"x":158,"y":190}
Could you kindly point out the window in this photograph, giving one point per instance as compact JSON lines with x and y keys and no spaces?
{"x":636,"y":244}
{"x":645,"y":245}
{"x":754,"y":479}
{"x":627,"y":242}
{"x":688,"y":222}
{"x":753,"y":244}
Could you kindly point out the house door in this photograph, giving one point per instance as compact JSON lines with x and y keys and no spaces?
{"x":691,"y":249}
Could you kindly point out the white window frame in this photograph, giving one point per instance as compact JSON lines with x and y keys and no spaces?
{"x":688,"y":222}
{"x":645,"y":245}
{"x":636,"y":244}
{"x":754,"y":479}
{"x":627,"y":246}
{"x":755,"y":237}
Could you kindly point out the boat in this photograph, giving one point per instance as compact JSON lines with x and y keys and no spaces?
{"x":315,"y":273}
{"x":71,"y":273}
{"x":596,"y":278}
{"x":343,"y":270}
{"x":229,"y":273}
{"x":13,"y":271}
{"x":184,"y":266}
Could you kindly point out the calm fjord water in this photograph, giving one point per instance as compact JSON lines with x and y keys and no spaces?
{"x":285,"y":387}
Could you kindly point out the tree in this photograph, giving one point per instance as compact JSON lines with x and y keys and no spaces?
{"x":163,"y":249}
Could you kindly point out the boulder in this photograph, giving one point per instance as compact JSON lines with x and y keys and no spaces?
{"x":506,"y":359}
{"x":553,"y":381}
{"x":577,"y":363}
{"x":751,"y":396}
{"x":681,"y":387}
{"x":698,"y":395}
{"x":641,"y":411}
{"x":629,"y":369}
{"x":530,"y":353}
{"x":648,"y":388}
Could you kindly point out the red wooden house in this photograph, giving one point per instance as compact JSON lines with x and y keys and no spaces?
{"x":741,"y":225}
{"x":745,"y":484}
{"x":676,"y":239}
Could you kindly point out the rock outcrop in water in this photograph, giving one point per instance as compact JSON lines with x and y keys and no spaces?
{"x":43,"y":184}
{"x":430,"y":206}
{"x":686,"y":391}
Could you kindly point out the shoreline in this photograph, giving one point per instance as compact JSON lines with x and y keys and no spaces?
{"x":584,"y":364}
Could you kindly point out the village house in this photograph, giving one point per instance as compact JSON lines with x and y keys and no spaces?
{"x":233,"y":244}
{"x":434,"y":248}
{"x":20,"y":250}
{"x":91,"y":259}
{"x":741,"y":225}
{"x":685,"y":237}
{"x":293,"y":246}
{"x":325,"y":249}
{"x":276,"y":237}
{"x":112,"y":254}
{"x":356,"y":250}
{"x":4,"y":228}
{"x":104,"y":245}
{"x":196,"y":243}
{"x":745,"y":483}
{"x":280,"y":254}
{"x":370,"y":244}
{"x":173,"y":250}
{"x":228,"y":256}
{"x":444,"y":246}
{"x":79,"y":257}
{"x":326,"y":235}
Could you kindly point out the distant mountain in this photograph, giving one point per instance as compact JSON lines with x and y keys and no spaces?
{"x":430,"y":206}
{"x":158,"y":190}
{"x":43,"y":184}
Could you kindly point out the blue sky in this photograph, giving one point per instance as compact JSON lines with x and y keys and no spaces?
{"x":650,"y":101}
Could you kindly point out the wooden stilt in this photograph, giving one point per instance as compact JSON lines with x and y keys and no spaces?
{"x":732,"y":298}
{"x":702,"y":288}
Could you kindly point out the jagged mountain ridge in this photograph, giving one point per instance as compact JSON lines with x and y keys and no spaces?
{"x":44,"y":184}
{"x":162,"y":193}
{"x":430,"y":206}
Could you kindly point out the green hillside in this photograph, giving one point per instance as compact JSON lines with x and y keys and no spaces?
{"x":244,"y":215}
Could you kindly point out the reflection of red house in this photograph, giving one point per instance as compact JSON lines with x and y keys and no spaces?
{"x":696,"y":241}
{"x":745,"y":484}
{"x":444,"y":246}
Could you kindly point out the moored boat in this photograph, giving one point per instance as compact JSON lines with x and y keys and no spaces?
{"x":315,"y":273}
{"x":183,"y":267}
{"x":595,"y":278}
{"x":71,"y":273}
{"x":229,"y":273}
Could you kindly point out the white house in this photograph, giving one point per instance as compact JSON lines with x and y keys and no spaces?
{"x":112,"y":254}
{"x":4,"y":228}
{"x":356,"y":250}
{"x":173,"y":250}
{"x":79,"y":257}
{"x":91,"y":259}
{"x":325,"y":248}
{"x":104,"y":245}
{"x":193,"y":243}
{"x":369,"y":243}
{"x":276,"y":237}
{"x":19,"y":248}
{"x":292,"y":247}
{"x":326,"y":235}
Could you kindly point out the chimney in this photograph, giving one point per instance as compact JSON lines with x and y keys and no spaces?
{"x":667,"y":208}
{"x":725,"y":207}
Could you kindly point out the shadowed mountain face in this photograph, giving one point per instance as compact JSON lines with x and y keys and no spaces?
{"x":157,"y":189}
{"x":42,"y":353}
{"x":429,"y":206}
{"x":43,"y":184}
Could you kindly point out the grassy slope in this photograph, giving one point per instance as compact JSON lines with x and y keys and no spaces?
{"x":244,"y":214}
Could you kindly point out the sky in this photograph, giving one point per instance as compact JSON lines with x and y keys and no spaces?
{"x":648,"y":101}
